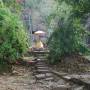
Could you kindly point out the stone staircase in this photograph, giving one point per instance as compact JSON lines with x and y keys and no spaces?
{"x":43,"y":74}
{"x":41,"y":70}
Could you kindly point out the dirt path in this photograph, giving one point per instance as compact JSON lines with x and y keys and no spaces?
{"x":24,"y":80}
{"x":21,"y":80}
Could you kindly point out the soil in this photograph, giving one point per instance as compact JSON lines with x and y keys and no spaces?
{"x":23,"y":79}
{"x":74,"y":64}
{"x":20,"y":79}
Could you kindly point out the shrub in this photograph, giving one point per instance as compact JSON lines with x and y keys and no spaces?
{"x":13,"y":38}
{"x":66,"y":40}
{"x":69,"y":36}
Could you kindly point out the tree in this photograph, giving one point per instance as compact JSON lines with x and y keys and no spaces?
{"x":13,"y":5}
{"x":68,"y":37}
{"x":13,"y":38}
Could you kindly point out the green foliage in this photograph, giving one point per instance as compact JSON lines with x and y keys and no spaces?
{"x":12,"y":5}
{"x":33,"y":3}
{"x":1,"y":4}
{"x":66,"y":40}
{"x":68,"y":37}
{"x":13,"y":38}
{"x":80,"y":7}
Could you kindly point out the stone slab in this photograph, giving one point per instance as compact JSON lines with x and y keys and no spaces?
{"x":49,"y":74}
{"x":42,"y":71}
{"x":40,"y":76}
{"x":62,"y":87}
{"x":49,"y":79}
{"x":42,"y":68}
{"x":40,"y":65}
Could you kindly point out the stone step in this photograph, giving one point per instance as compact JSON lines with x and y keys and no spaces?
{"x":43,"y":76}
{"x":42,"y":71}
{"x":40,"y":62}
{"x":49,"y":79}
{"x":63,"y":87}
{"x":40,"y":76}
{"x":42,"y":68}
{"x":49,"y":74}
{"x":43,"y":61}
{"x":40,"y":65}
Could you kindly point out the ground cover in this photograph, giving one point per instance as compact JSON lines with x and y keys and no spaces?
{"x":73,"y":64}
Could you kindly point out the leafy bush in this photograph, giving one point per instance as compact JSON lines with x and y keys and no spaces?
{"x":66,"y":40}
{"x":69,"y":35}
{"x":13,"y":38}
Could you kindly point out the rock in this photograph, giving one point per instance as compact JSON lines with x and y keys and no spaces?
{"x":48,"y":74}
{"x":15,"y":73}
{"x":42,"y":67}
{"x":42,"y":71}
{"x":61,"y":82}
{"x":67,"y":77}
{"x":40,"y":76}
{"x":61,"y":87}
{"x":49,"y":79}
{"x":79,"y":88}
